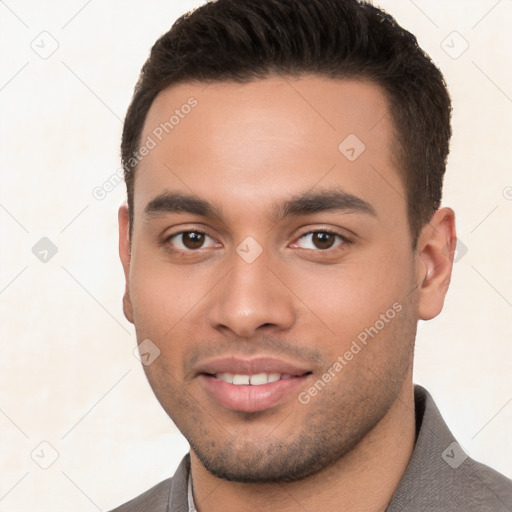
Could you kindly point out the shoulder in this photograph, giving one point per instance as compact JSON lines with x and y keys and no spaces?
{"x":483,"y":487}
{"x":155,"y":499}
{"x":167,"y":496}
{"x":472,"y":487}
{"x":441,"y":477}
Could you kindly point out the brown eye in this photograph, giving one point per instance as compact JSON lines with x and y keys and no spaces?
{"x":191,"y":240}
{"x":323,"y":240}
{"x":320,"y":240}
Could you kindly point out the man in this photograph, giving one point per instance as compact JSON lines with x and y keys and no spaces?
{"x":283,"y":235}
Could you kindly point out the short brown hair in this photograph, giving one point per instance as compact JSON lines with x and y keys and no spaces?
{"x":245,"y":40}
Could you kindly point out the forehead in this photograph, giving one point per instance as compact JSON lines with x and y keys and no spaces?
{"x":262,"y":139}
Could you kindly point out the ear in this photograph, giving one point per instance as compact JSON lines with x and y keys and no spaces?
{"x":125,"y":255}
{"x":435,"y":252}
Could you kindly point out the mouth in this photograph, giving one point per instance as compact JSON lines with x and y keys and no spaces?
{"x":251,"y":385}
{"x":257,"y":379}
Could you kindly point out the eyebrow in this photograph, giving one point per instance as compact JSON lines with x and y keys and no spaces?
{"x":330,"y":200}
{"x":308,"y":203}
{"x":177,"y":202}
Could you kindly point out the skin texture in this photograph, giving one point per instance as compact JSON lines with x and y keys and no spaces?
{"x":246,"y":148}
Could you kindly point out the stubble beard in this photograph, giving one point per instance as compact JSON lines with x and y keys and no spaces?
{"x":334,"y":423}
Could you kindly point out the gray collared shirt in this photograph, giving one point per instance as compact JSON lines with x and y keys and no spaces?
{"x":440,"y":477}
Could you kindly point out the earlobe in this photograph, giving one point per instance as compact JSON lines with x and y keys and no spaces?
{"x":127,"y":305}
{"x":435,"y":252}
{"x":125,"y":256}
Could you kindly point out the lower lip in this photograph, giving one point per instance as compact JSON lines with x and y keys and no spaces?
{"x":249,"y":398}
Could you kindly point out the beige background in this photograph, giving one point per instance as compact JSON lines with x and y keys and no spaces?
{"x":68,"y":376}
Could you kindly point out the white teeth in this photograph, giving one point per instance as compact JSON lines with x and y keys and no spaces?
{"x":241,"y":379}
{"x":286,"y":376}
{"x":254,"y":380}
{"x":258,"y":378}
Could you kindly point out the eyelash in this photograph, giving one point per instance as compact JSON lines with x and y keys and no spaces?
{"x":344,"y":240}
{"x":168,"y":239}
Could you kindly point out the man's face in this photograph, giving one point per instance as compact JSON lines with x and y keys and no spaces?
{"x":262,"y":247}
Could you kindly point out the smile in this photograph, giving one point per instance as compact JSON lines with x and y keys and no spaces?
{"x":256,"y":379}
{"x":252,"y":393}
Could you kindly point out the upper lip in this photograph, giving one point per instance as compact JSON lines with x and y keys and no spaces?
{"x":244,"y":366}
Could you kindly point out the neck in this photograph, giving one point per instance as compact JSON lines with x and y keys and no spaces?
{"x":364,"y":479}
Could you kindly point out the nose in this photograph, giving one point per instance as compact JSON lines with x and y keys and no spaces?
{"x":251,"y":298}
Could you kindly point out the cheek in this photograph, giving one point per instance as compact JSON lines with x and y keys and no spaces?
{"x":161,"y":294}
{"x":351,"y":296}
{"x":168,"y":304}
